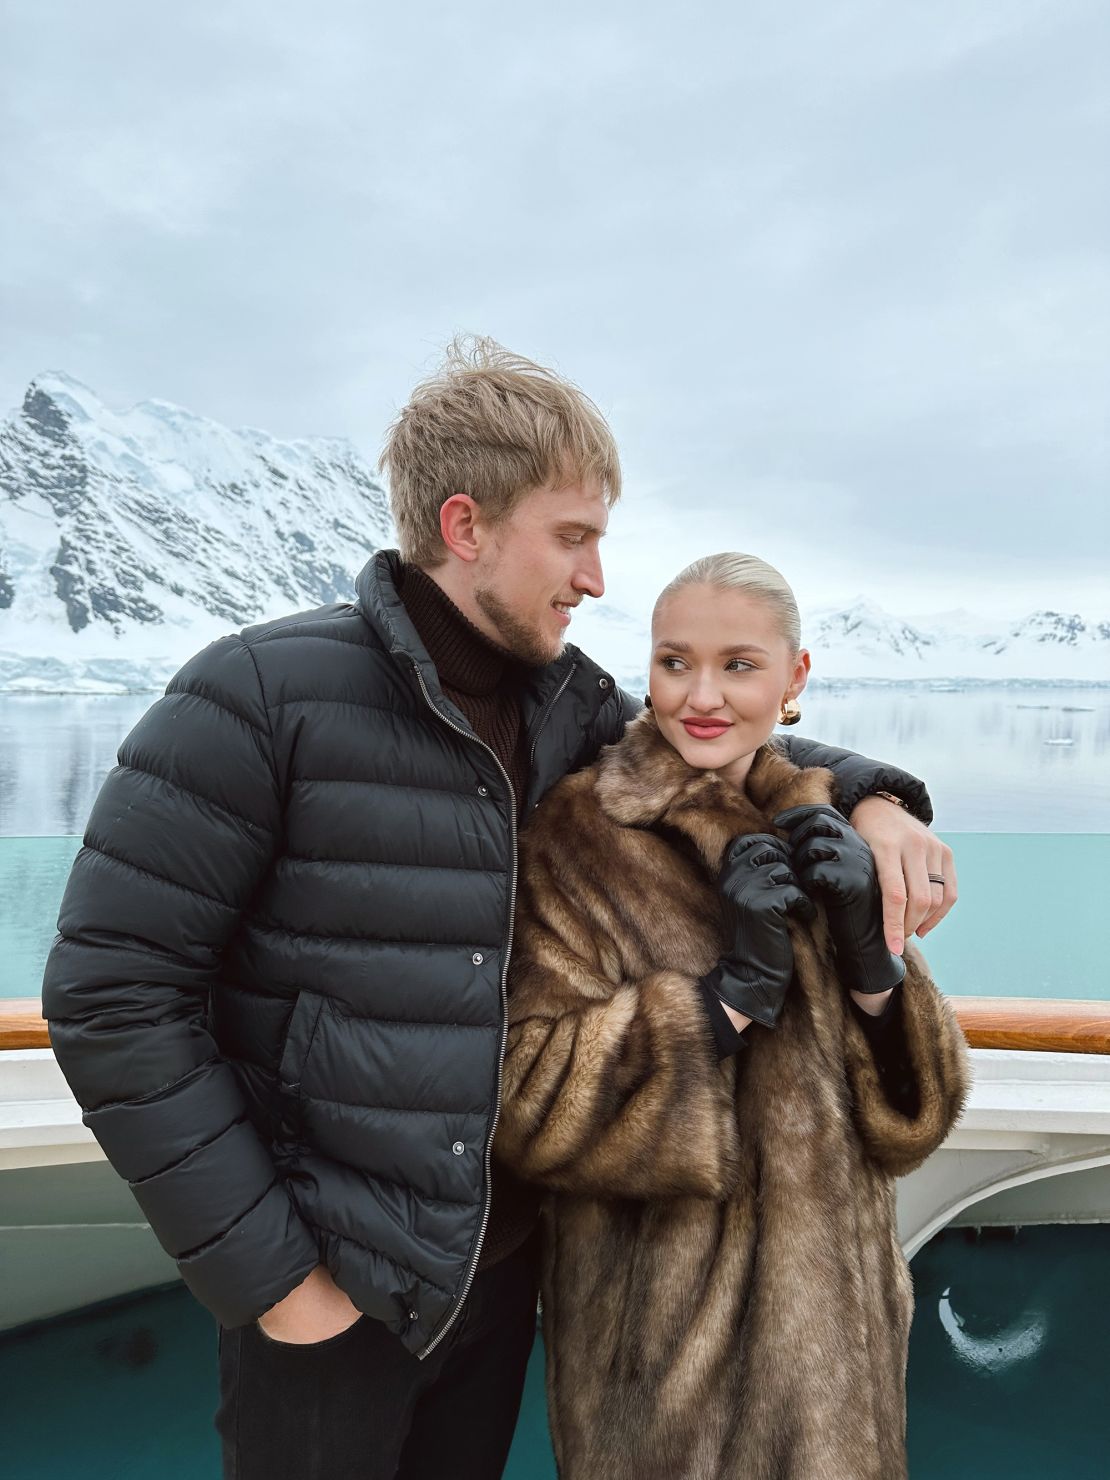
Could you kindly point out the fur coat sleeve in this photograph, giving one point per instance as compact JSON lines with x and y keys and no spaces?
{"x":933,"y":1062}
{"x":611,"y":1084}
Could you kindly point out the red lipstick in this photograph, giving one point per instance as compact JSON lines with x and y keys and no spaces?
{"x":705,"y":729}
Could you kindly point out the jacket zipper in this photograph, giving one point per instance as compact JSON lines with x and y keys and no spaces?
{"x":548,"y":707}
{"x":453,"y":1315}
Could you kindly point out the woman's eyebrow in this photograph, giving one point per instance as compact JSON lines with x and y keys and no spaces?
{"x":725,"y":652}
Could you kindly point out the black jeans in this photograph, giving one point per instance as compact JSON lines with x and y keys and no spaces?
{"x":360,"y":1407}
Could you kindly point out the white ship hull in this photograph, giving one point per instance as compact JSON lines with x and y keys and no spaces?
{"x":1033,"y":1147}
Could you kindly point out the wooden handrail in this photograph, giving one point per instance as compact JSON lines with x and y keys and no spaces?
{"x":1034,"y":1024}
{"x":1037,"y":1024}
{"x":22,"y":1024}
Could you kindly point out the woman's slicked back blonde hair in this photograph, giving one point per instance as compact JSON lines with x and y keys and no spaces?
{"x":735,"y":572}
{"x":493,"y":425}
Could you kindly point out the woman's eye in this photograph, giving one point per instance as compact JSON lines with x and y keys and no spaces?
{"x":673,"y":665}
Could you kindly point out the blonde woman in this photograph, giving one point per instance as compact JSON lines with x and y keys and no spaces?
{"x":717,"y":1069}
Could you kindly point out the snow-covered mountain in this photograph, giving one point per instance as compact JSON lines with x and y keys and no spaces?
{"x":862,"y":642}
{"x":130,"y":539}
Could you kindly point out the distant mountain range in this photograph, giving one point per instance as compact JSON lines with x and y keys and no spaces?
{"x":860,"y":642}
{"x":130,"y":539}
{"x":863,"y":641}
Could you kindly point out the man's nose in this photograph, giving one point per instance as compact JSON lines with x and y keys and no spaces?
{"x":588,"y":577}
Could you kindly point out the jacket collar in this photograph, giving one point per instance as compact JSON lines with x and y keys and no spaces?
{"x":644,"y":782}
{"x":379,"y":601}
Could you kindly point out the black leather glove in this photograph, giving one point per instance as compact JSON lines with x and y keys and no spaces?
{"x":832,"y":860}
{"x":758,"y":891}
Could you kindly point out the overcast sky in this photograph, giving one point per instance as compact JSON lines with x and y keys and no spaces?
{"x":837,"y":270}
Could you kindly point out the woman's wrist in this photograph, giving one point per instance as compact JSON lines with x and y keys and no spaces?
{"x":724,"y":1022}
{"x":873,"y":1003}
{"x":737,"y":1019}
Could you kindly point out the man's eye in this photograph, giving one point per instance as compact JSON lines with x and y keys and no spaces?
{"x":569,"y":539}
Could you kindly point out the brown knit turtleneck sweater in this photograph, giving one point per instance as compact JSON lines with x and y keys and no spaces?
{"x":483,"y":681}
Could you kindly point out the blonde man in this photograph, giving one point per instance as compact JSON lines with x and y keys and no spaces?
{"x":279,"y":986}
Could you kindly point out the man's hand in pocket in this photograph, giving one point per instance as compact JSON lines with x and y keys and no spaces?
{"x":316,"y":1310}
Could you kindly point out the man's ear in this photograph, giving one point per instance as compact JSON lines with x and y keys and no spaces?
{"x":460,"y":521}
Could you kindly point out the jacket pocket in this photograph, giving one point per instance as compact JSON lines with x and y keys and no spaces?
{"x":304,"y":1347}
{"x":298,"y":1039}
{"x":295,"y":1054}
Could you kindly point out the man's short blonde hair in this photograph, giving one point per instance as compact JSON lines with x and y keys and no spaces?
{"x":493,"y":425}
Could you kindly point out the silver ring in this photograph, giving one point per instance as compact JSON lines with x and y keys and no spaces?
{"x":936,"y":878}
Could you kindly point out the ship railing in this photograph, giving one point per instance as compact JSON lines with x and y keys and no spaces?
{"x":1024,"y":1024}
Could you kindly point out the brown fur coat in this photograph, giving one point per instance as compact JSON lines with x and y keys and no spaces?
{"x":724,"y":1293}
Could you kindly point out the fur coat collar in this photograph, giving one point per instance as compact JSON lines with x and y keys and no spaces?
{"x":644,"y":782}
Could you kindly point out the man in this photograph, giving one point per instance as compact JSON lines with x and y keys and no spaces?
{"x":279,"y":986}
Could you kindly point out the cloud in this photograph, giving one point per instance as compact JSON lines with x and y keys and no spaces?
{"x":836,"y":270}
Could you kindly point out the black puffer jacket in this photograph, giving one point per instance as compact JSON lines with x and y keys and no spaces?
{"x":278,"y":986}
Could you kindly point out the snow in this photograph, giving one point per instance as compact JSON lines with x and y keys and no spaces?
{"x":130,"y":539}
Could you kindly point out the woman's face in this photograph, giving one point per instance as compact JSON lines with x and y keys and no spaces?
{"x":720,"y":670}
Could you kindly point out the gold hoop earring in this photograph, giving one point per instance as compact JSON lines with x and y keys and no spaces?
{"x":790,"y":712}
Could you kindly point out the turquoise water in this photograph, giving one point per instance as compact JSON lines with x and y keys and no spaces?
{"x":1007,"y":1381}
{"x":33,"y":873}
{"x":1026,"y":925}
{"x":1009,"y":1370}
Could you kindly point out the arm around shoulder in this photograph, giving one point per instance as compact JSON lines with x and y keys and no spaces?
{"x":857,"y":776}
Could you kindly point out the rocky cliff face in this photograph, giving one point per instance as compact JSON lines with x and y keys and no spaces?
{"x":138,"y":536}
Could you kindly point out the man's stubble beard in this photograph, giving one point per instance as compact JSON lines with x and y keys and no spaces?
{"x":517,"y":637}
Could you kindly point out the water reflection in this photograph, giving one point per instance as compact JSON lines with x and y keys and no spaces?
{"x":985,"y":752}
{"x":996,"y":1349}
{"x":55,"y":751}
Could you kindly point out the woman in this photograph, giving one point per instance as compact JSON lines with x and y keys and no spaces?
{"x":716,"y":1067}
